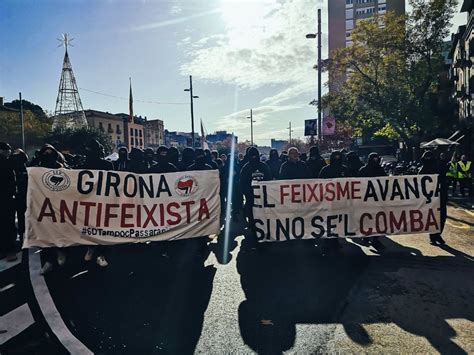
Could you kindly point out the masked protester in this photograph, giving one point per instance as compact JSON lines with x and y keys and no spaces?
{"x":200,"y":161}
{"x":335,"y":168}
{"x":162,"y":165}
{"x":7,"y":204}
{"x":274,"y":164}
{"x":187,"y":158}
{"x":137,"y":161}
{"x":353,"y":164}
{"x":123,"y":161}
{"x":431,"y":166}
{"x":148,"y":159}
{"x":173,"y":156}
{"x":19,"y":159}
{"x":372,"y":169}
{"x":315,"y":162}
{"x":254,"y":170}
{"x":94,"y":152}
{"x":294,"y":168}
{"x":49,"y":157}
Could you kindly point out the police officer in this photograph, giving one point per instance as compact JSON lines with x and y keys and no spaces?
{"x":452,"y":173}
{"x":294,"y":168}
{"x":465,"y":175}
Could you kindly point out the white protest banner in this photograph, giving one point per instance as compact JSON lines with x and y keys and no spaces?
{"x":91,"y":207}
{"x":346,"y":207}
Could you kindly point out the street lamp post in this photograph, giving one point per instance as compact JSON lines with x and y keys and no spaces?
{"x":290,"y":130}
{"x":251,"y":126}
{"x":311,"y":36}
{"x":192,"y":97}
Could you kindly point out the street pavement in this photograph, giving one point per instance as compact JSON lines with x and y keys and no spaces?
{"x":187,"y":296}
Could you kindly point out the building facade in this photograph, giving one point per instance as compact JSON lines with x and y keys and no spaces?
{"x":109,"y":123}
{"x":154,"y":133}
{"x":181,"y":139}
{"x":344,"y":14}
{"x":278,"y":144}
{"x":220,"y":136}
{"x":461,"y":73}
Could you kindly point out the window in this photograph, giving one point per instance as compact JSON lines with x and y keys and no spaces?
{"x":141,"y":142}
{"x":140,"y":133}
{"x":101,"y":127}
{"x":136,"y":141}
{"x":131,"y":131}
{"x":136,"y":132}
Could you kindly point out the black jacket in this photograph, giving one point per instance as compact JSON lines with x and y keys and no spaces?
{"x":293,"y":171}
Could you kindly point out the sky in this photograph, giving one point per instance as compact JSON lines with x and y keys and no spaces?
{"x":242,"y":54}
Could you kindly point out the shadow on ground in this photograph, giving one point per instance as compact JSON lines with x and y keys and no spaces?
{"x":291,"y":283}
{"x":151,"y":299}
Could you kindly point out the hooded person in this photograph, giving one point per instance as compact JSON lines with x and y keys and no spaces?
{"x":94,"y":152}
{"x":148,"y":158}
{"x":315,"y":162}
{"x":187,"y":158}
{"x":200,"y":161}
{"x":173,"y":156}
{"x":48,"y":157}
{"x":274,"y":164}
{"x":254,"y":170}
{"x":123,"y":161}
{"x":372,"y":169}
{"x":162,"y":165}
{"x":353,"y":164}
{"x":335,"y":169}
{"x":137,"y":161}
{"x":430,"y":166}
{"x":7,"y":205}
{"x":294,"y":168}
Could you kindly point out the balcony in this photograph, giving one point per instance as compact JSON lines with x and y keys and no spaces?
{"x":110,"y":130}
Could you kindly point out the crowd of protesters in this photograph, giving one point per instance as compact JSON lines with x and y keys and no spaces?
{"x":245,"y":168}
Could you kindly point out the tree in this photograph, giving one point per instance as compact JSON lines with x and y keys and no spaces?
{"x":73,"y":140}
{"x":37,"y":125}
{"x":387,"y":79}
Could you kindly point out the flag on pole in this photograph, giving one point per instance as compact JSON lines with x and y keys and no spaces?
{"x":203,"y":138}
{"x":130,"y":103}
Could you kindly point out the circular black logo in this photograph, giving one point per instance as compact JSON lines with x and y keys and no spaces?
{"x":56,"y":180}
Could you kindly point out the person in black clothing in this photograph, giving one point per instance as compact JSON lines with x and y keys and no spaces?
{"x":173,"y":156}
{"x":304,"y":157}
{"x":209,"y":160}
{"x":294,"y":168}
{"x":200,"y":161}
{"x":315,"y":162}
{"x":7,"y":204}
{"x":148,"y":159}
{"x":162,"y":165}
{"x":283,"y":156}
{"x":254,"y":170}
{"x":335,"y":169}
{"x":430,"y":166}
{"x":353,"y":164}
{"x":187,"y":158}
{"x":19,"y":159}
{"x":123,"y":161}
{"x":94,"y":152}
{"x":274,"y":164}
{"x":372,"y":169}
{"x":137,"y":163}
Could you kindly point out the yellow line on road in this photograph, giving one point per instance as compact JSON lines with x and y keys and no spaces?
{"x":458,"y":225}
